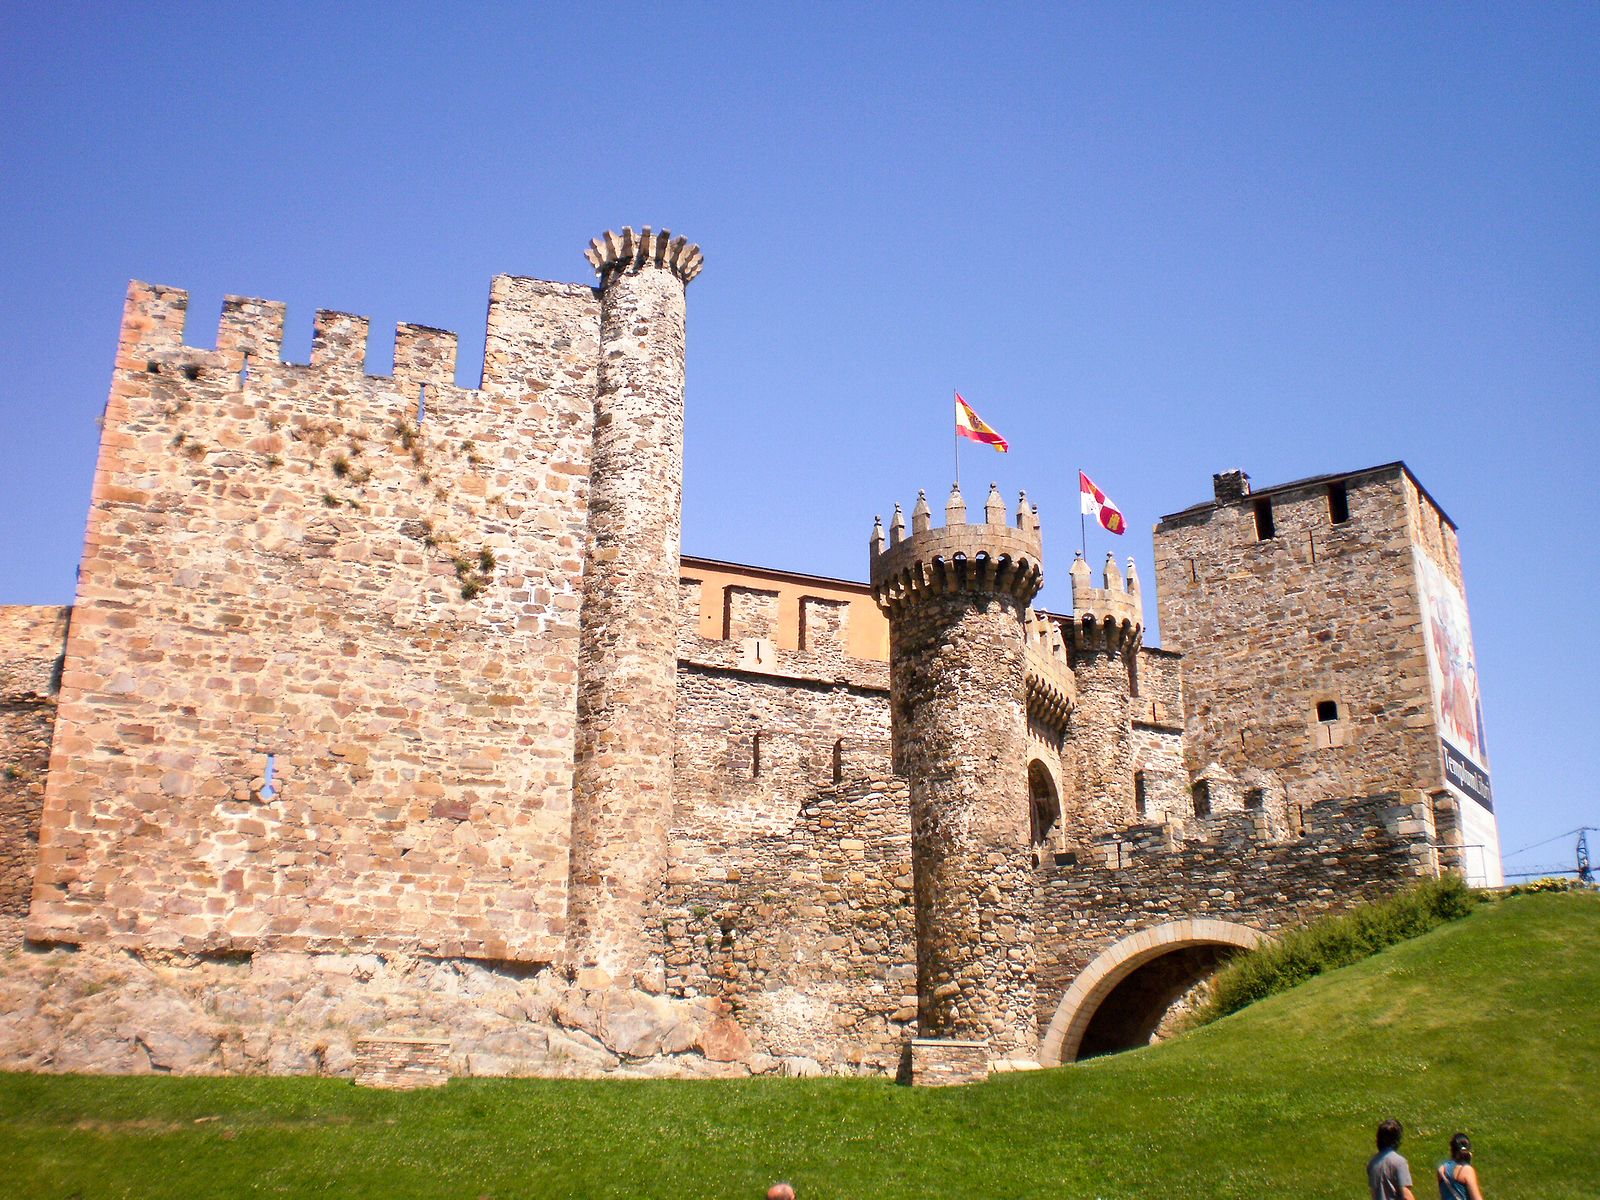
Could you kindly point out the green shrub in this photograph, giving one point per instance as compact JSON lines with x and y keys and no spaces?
{"x":1336,"y":941}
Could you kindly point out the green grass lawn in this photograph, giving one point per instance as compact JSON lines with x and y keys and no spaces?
{"x":1490,"y":1024}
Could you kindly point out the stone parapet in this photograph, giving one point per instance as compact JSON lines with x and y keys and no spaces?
{"x":610,"y":253}
{"x":1110,"y":616}
{"x":765,"y":659}
{"x":991,"y":558}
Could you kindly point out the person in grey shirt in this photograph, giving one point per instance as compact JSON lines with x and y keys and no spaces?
{"x":1388,"y":1174}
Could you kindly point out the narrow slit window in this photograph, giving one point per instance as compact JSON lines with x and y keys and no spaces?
{"x":755,"y":755}
{"x":838,"y":760}
{"x":244,"y":370}
{"x":1140,"y":799}
{"x":1265,"y":528}
{"x":1338,"y":503}
{"x":269,"y":789}
{"x":1327,"y":711}
{"x":422,"y":403}
{"x":1200,"y":793}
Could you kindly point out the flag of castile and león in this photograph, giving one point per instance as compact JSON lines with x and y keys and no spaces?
{"x":1098,"y":505}
{"x":970,"y":425}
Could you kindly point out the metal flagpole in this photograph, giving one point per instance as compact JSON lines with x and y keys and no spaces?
{"x":1083,"y":524}
{"x":955,"y":436}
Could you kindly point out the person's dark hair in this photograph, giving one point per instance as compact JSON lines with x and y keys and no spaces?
{"x":1461,"y":1148}
{"x":1389,"y":1135}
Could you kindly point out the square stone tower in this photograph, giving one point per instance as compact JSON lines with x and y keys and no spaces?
{"x":1327,"y":648}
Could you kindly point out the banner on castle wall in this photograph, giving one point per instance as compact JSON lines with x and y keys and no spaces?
{"x":1454,"y":671}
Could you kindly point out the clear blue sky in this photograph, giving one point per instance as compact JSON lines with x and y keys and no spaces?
{"x":1153,"y":240}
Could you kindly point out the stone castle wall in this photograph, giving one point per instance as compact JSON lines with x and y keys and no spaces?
{"x":31,"y":642}
{"x":1232,"y":867}
{"x":1320,"y":611}
{"x":330,"y":760}
{"x":375,"y":590}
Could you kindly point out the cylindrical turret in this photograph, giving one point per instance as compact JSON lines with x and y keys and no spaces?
{"x":957,"y":600}
{"x":627,"y":651}
{"x":1099,"y":755}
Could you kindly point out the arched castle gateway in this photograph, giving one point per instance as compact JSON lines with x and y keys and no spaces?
{"x":389,"y":733}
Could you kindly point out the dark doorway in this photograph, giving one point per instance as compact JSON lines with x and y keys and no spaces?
{"x":1146,"y":1006}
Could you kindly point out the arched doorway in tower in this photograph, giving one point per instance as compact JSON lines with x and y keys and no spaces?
{"x":1132,"y":993}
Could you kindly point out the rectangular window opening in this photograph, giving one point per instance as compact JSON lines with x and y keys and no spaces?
{"x":1264,"y":525}
{"x":1255,"y":799}
{"x":1139,"y":797}
{"x":1201,"y":794}
{"x":1338,"y":503}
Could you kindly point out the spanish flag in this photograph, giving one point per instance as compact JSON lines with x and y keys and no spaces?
{"x":970,"y":425}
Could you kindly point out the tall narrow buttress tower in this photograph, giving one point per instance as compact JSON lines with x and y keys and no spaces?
{"x":957,"y":599}
{"x":627,"y":657}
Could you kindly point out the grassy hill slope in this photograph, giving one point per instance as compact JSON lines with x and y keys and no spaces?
{"x":1490,"y":1024}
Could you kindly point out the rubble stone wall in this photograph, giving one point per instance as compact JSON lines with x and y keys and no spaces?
{"x":1320,"y":611}
{"x":1230,"y":867}
{"x":31,"y":642}
{"x":805,"y":929}
{"x":375,"y":591}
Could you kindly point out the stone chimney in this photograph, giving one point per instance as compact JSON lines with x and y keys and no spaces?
{"x":1230,"y":485}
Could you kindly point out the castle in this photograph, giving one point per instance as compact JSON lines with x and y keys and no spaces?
{"x":390,"y":734}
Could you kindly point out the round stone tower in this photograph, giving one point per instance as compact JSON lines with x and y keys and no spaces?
{"x":1099,"y":755}
{"x":957,"y":600}
{"x":627,"y":650}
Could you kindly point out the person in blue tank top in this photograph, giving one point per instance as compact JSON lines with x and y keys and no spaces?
{"x":1458,"y":1178}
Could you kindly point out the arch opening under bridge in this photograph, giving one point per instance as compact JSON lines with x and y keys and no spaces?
{"x":1123,"y":997}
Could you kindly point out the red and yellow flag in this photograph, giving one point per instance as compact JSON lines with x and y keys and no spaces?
{"x":970,"y":425}
{"x":1097,"y":504}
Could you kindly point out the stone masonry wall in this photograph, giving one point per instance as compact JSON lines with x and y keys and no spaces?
{"x":805,"y":930}
{"x":1321,"y":611}
{"x":31,"y":643}
{"x":1230,"y":867}
{"x":284,"y":564}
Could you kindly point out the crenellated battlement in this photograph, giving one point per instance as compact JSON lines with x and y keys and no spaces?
{"x":250,"y":335}
{"x":1399,"y":822}
{"x":631,"y":251}
{"x":1110,"y":616}
{"x":991,"y":557}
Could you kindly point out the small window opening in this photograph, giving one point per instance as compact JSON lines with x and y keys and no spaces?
{"x":1255,"y":799}
{"x":153,"y":367}
{"x":1200,"y":793}
{"x":191,"y":372}
{"x":1194,"y":572}
{"x":244,"y":370}
{"x":1327,"y":711}
{"x":1338,"y":503}
{"x":838,"y":760}
{"x":1265,"y":528}
{"x":422,"y":403}
{"x":1140,"y":799}
{"x":755,"y":755}
{"x":268,"y":788}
